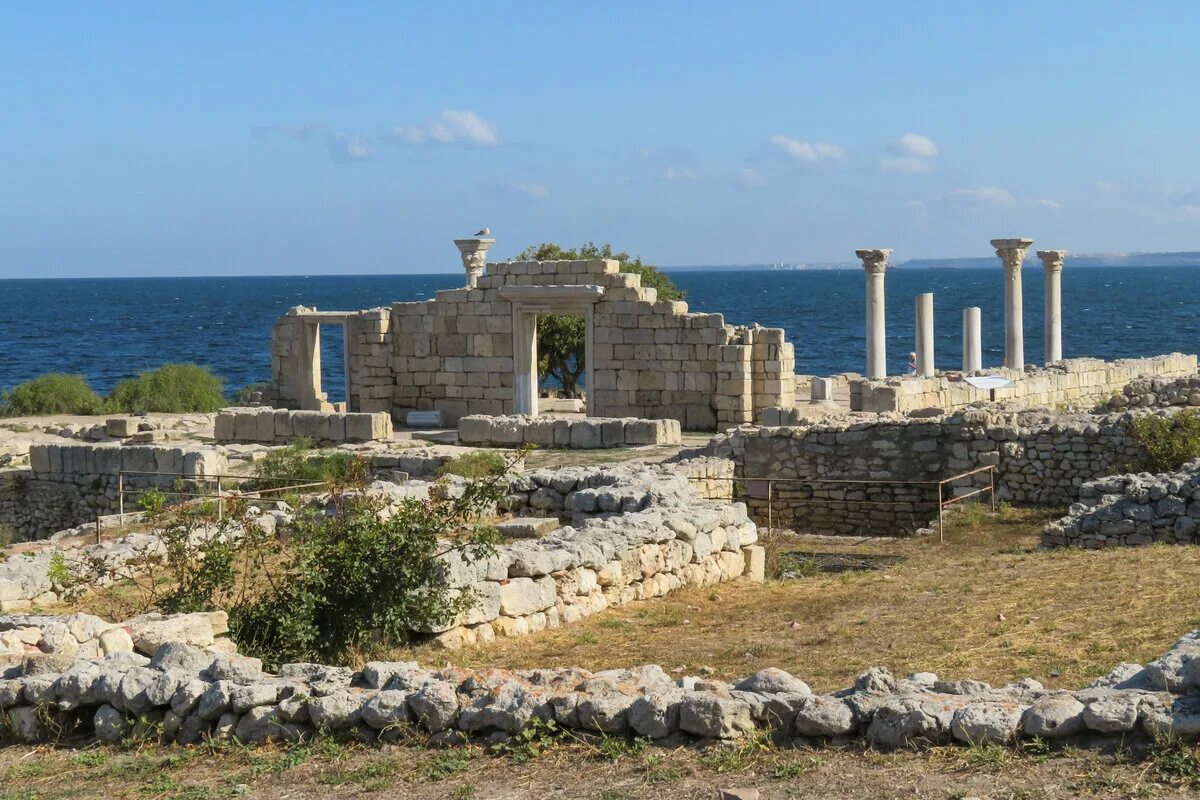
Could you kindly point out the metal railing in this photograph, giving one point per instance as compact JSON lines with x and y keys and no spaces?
{"x":221,"y":495}
{"x":942,"y":502}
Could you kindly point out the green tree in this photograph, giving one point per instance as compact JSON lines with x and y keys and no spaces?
{"x":560,"y":339}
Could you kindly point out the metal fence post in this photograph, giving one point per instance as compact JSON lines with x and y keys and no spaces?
{"x":121,"y":495}
{"x":941,"y":518}
{"x":992,"y":486}
{"x":770,"y":483}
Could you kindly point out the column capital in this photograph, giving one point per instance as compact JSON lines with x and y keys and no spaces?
{"x":874,"y":261}
{"x":1011,"y":251}
{"x":474,"y":255}
{"x":1052,"y":260}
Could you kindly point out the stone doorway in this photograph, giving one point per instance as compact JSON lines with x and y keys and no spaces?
{"x":530,"y":302}
{"x":311,"y":397}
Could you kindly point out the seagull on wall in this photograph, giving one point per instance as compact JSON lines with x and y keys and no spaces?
{"x":483,"y":232}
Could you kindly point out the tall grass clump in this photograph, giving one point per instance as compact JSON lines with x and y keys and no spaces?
{"x":299,"y":460}
{"x":172,"y":388}
{"x":1168,"y":442}
{"x":53,"y":393}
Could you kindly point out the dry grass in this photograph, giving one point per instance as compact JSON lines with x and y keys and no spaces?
{"x":984,"y":605}
{"x":581,"y":769}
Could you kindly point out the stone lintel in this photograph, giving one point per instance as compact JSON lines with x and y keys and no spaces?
{"x":552,"y":297}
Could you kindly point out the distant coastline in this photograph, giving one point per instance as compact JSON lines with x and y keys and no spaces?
{"x":1187,"y":258}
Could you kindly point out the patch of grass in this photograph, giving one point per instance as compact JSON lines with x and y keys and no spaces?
{"x":615,"y":748}
{"x":738,"y":756}
{"x":538,"y":736}
{"x":480,"y":464}
{"x":53,"y":393}
{"x":448,"y":762}
{"x":173,"y":388}
{"x":1174,"y":762}
{"x":370,"y":776}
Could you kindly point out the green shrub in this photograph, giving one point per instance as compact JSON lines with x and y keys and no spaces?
{"x":54,"y":393}
{"x":481,"y":464}
{"x":172,"y":388}
{"x":1168,"y":442}
{"x":358,"y":580}
{"x":300,"y":461}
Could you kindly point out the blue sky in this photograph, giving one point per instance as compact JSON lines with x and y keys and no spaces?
{"x":272,"y":138}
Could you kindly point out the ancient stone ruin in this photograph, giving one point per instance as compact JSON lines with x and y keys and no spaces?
{"x":474,"y":350}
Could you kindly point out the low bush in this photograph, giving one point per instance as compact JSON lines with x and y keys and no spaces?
{"x":482,"y":464}
{"x":245,"y":394}
{"x":300,"y":460}
{"x":1168,"y":442}
{"x":172,"y":388}
{"x":55,"y":393}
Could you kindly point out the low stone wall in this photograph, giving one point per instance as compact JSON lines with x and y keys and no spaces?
{"x":70,"y":484}
{"x":579,"y":434}
{"x":29,"y":642}
{"x":1125,"y":510}
{"x":1157,"y":393}
{"x":640,"y":531}
{"x":190,"y":695}
{"x":283,"y":426}
{"x":1070,"y":381}
{"x":1040,"y":458}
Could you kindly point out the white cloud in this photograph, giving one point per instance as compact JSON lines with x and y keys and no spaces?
{"x":1107,"y":187}
{"x":808,"y":152}
{"x":535,"y":190}
{"x":344,"y":147}
{"x":987,"y":196}
{"x":347,"y":147}
{"x":904,"y":164}
{"x":451,"y":127}
{"x":914,"y":145}
{"x":1046,"y":203}
{"x":750,"y":178}
{"x":678,"y":174}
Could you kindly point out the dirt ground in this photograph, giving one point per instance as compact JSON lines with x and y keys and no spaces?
{"x":595,"y":770}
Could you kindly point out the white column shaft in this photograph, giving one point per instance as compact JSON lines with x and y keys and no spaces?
{"x":1014,"y":320}
{"x":1053,"y":324}
{"x":972,"y":345}
{"x":924,"y":348}
{"x":525,"y":400}
{"x":876,"y":327}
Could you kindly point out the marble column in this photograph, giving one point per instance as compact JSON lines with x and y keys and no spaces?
{"x":1012,"y":253}
{"x":875,"y":264}
{"x":924,"y":349}
{"x":972,"y":346}
{"x":1052,"y":264}
{"x":474,"y":256}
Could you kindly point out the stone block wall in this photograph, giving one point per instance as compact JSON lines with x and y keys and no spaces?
{"x":639,"y":532}
{"x":650,"y":358}
{"x":1157,"y":393}
{"x":580,"y":434}
{"x":283,"y":426}
{"x":1128,"y":510}
{"x":1078,"y":381}
{"x":68,"y":485}
{"x":1040,"y":458}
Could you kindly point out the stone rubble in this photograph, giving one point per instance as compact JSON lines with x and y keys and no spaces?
{"x":1127,"y":510}
{"x":195,"y":694}
{"x":1157,"y":393}
{"x":587,"y":433}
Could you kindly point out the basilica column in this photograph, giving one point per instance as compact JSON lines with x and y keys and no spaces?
{"x":1052,"y":264}
{"x":1012,"y":253}
{"x":474,"y":256}
{"x":875,"y":264}
{"x":972,"y":343}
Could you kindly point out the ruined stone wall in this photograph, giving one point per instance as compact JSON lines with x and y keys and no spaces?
{"x":650,"y":359}
{"x":1040,"y":458}
{"x":1076,"y":381}
{"x":68,"y":485}
{"x":577,"y":434}
{"x":1157,"y":393}
{"x":282,"y":426}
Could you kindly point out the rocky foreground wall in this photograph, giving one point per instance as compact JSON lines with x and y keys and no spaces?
{"x":1127,"y":510}
{"x":1040,"y":458}
{"x":187,"y":694}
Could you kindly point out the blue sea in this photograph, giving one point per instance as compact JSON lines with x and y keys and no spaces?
{"x":111,"y":328}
